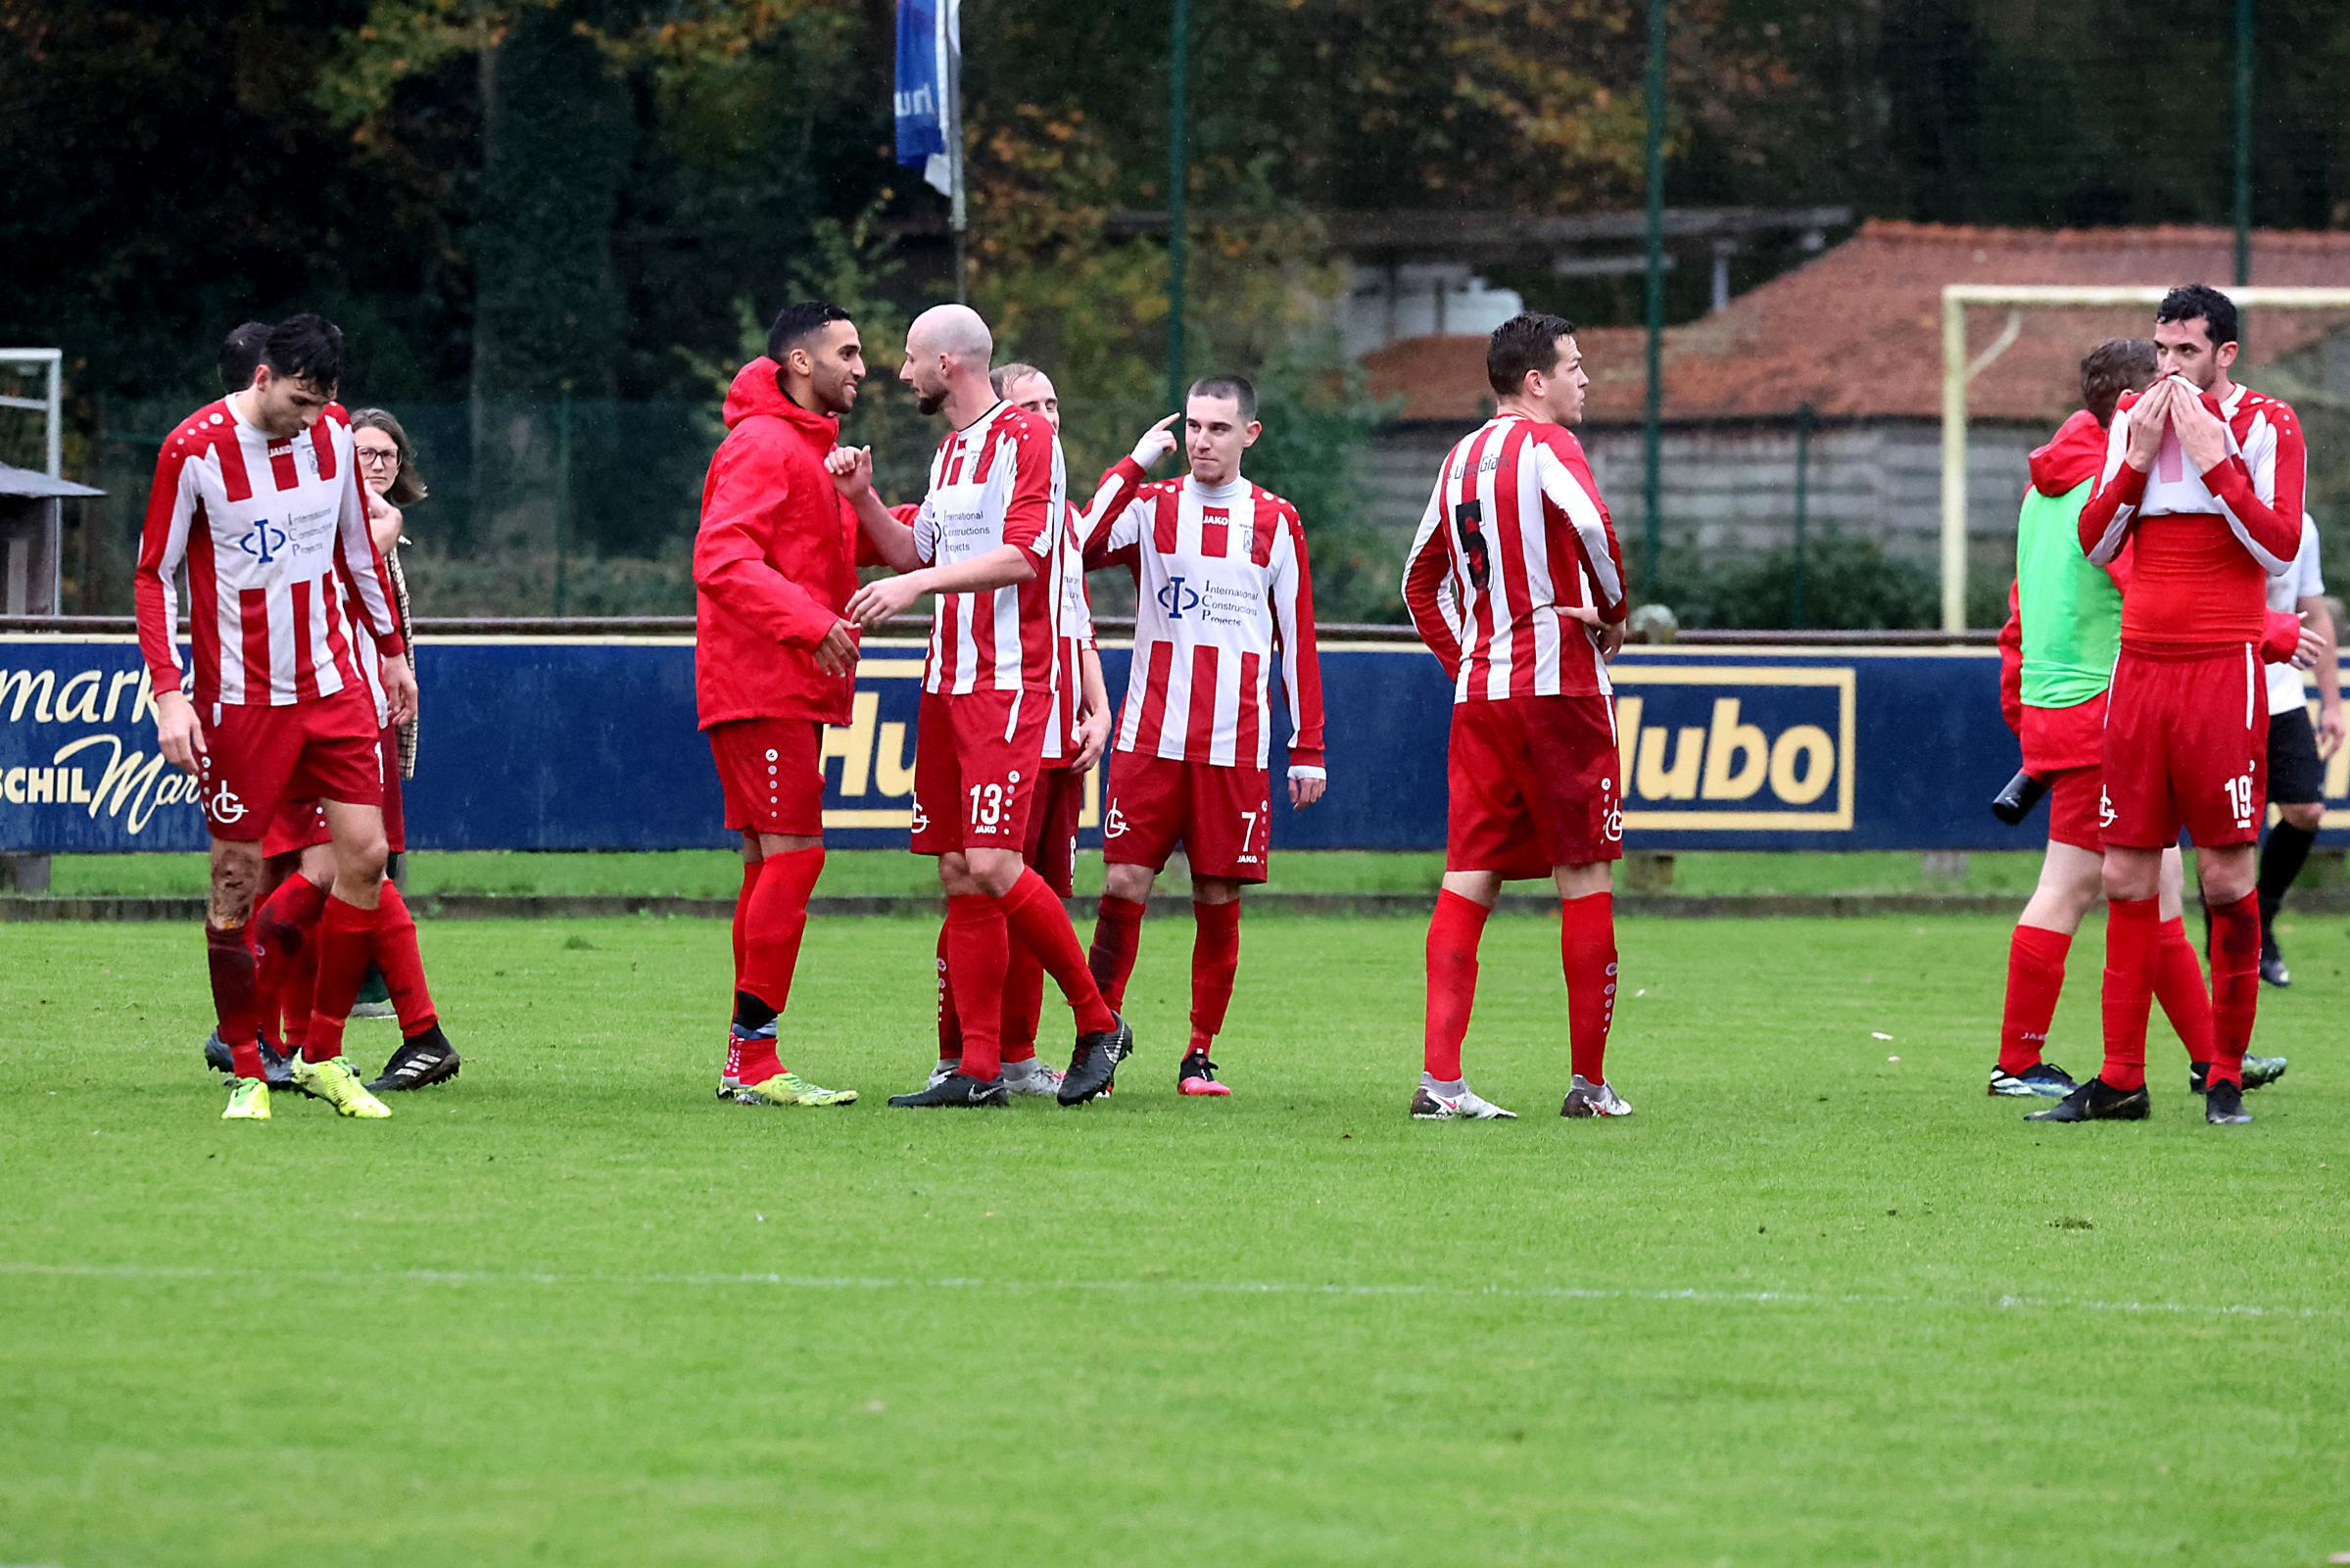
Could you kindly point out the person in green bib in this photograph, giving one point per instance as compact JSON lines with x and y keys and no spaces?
{"x":2057,"y":653}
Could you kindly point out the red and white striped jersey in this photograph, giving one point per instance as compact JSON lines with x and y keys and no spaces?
{"x":1224,"y":592}
{"x":1116,"y":490}
{"x":1516,"y":535}
{"x":275,"y":535}
{"x":1000,"y":480}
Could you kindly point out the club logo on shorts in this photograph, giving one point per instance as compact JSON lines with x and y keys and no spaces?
{"x":1175,"y":599}
{"x":1114,"y":825}
{"x":2105,"y":812}
{"x":263,"y":541}
{"x":922,"y":818}
{"x":224,"y":805}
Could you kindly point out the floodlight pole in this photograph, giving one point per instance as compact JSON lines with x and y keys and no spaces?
{"x":1179,"y":154}
{"x":2243,"y":142}
{"x":1652,"y":415}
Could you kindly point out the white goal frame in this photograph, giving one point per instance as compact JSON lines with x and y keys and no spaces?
{"x":1959,"y":370}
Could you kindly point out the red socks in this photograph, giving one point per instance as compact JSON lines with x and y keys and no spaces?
{"x":979,"y":948}
{"x":2234,"y":985}
{"x":2035,"y":959}
{"x":1215,"y":958}
{"x":951,"y":1027}
{"x":346,"y":941}
{"x":401,"y":965}
{"x":2179,"y":988}
{"x":285,"y":950}
{"x":2133,"y":932}
{"x":1023,"y":1004}
{"x":1116,"y":935}
{"x":773,"y":923}
{"x":229,"y":958}
{"x":1453,"y":932}
{"x":750,"y":883}
{"x":1039,"y":922}
{"x":1587,"y":956}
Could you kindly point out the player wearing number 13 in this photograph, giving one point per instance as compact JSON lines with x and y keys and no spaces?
{"x":1517,"y":586}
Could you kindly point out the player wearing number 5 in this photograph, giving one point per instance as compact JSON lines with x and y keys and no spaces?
{"x":1225,"y":597}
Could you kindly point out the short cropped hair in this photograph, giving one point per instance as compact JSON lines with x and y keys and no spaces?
{"x":2194,"y":301}
{"x":1527,"y":341}
{"x":306,"y":346}
{"x":1004,"y":377}
{"x":1239,"y":389}
{"x":794,"y":324}
{"x":2110,"y":368}
{"x":241,"y":354}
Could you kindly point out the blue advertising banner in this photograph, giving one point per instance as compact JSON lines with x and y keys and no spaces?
{"x":590,"y":744}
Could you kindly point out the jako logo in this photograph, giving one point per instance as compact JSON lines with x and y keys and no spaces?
{"x":263,"y":541}
{"x":1175,"y":599}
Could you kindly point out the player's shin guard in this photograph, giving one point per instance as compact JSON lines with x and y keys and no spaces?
{"x":2234,"y":985}
{"x":2132,"y":929}
{"x":1023,"y":1004}
{"x":402,"y":965}
{"x":1587,"y":956}
{"x":229,"y":956}
{"x":2178,"y":988}
{"x":1215,"y":960}
{"x":346,"y":941}
{"x":772,"y":928}
{"x":750,"y":886}
{"x":1040,"y":924}
{"x":1117,"y":938}
{"x":979,"y":945}
{"x":2035,"y":959}
{"x":951,"y":1027}
{"x":1453,"y":932}
{"x":285,"y":934}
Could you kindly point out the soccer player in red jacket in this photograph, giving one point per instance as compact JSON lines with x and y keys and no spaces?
{"x":1517,"y":586}
{"x":1226,"y":598}
{"x":258,"y":496}
{"x":775,"y":660}
{"x":984,"y":543}
{"x":2204,"y":479}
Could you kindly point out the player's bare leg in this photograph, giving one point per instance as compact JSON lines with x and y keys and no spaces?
{"x":1462,"y":903}
{"x":236,"y":872}
{"x":771,"y":916}
{"x":1215,"y":958}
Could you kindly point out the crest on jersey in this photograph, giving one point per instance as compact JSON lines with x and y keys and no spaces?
{"x":1175,"y":599}
{"x":263,"y":541}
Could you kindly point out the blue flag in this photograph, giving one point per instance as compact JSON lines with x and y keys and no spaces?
{"x":930,"y":54}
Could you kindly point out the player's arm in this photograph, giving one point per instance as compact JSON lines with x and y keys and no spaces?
{"x":1118,"y":485}
{"x":173,"y":506}
{"x":2329,"y":670}
{"x":2011,"y":661}
{"x":1429,"y":594}
{"x":1028,"y":543}
{"x":1118,"y":540}
{"x":2131,"y":442}
{"x":2264,"y":499}
{"x":1292,"y":593}
{"x":888,"y":538}
{"x":1093,"y":714}
{"x":1567,"y":485}
{"x":731,"y":569}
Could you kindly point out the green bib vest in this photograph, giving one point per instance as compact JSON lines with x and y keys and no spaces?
{"x":2071,"y":610}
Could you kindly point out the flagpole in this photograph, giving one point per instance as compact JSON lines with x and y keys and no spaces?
{"x":959,"y":217}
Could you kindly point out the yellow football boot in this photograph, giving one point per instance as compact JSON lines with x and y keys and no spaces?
{"x":334,"y":1081}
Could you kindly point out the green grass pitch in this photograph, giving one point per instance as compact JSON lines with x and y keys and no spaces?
{"x":1812,"y":1305}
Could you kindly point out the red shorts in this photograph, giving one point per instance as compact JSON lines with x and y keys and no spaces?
{"x":771,"y":774}
{"x":2075,"y":798}
{"x":1222,"y":814}
{"x":302,"y":824}
{"x":1532,"y":784}
{"x":259,"y":756}
{"x":1051,"y":850}
{"x":979,"y":763}
{"x":2186,"y":744}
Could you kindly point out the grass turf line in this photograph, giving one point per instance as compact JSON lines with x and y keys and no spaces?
{"x":1036,"y":1335}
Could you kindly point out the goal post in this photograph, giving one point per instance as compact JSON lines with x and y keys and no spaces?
{"x":1959,"y":370}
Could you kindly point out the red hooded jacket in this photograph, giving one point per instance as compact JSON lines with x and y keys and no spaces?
{"x":774,"y":562}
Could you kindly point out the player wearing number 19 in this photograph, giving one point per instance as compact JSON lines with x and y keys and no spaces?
{"x":1517,"y":586}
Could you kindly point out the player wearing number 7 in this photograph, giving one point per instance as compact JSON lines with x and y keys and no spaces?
{"x":1225,"y":597}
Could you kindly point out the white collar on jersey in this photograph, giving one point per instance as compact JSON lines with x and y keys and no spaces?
{"x":1220,"y":492}
{"x":983,"y":418}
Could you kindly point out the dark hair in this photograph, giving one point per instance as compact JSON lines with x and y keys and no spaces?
{"x":1238,"y":388}
{"x":1526,"y":341}
{"x":240,"y":353}
{"x":309,"y":348}
{"x":2200,"y":301}
{"x":2110,"y":368}
{"x":796,"y":323}
{"x":408,"y":484}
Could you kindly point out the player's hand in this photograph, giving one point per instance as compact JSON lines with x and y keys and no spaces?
{"x":884,"y":597}
{"x":2311,"y":648}
{"x":1611,"y":639}
{"x":400,"y":691}
{"x":384,"y":523}
{"x":1584,"y":613}
{"x":2148,"y":418}
{"x":2200,"y":431}
{"x":837,"y":654}
{"x":1306,"y":787}
{"x":177,"y":733}
{"x":1157,"y":443}
{"x":2329,"y":728}
{"x":1094,"y":736}
{"x":851,"y":468}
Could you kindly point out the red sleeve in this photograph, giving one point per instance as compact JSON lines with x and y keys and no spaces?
{"x":747,"y":499}
{"x":162,"y":543}
{"x":1593,"y":529}
{"x":1112,"y":497}
{"x":2280,"y":637}
{"x":1294,"y":645}
{"x":2274,"y":524}
{"x":2116,"y":493}
{"x":2011,"y":663}
{"x":1028,"y":512}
